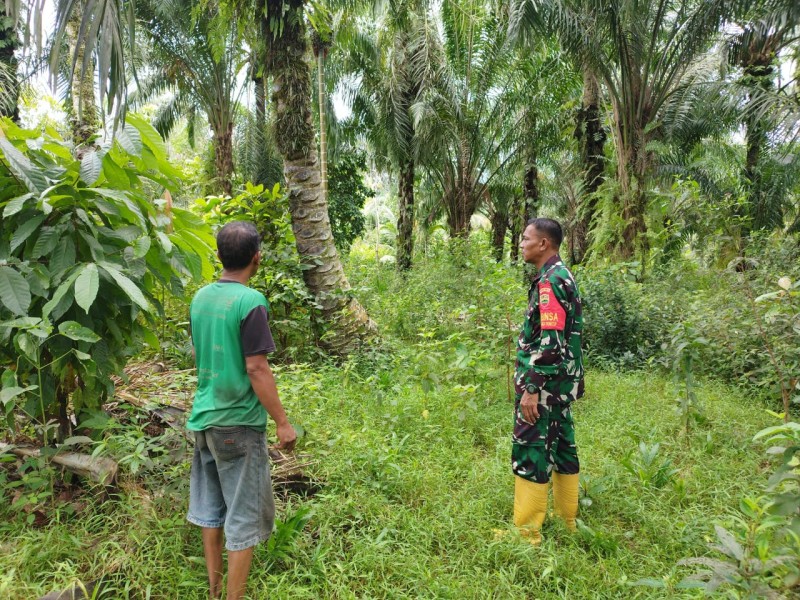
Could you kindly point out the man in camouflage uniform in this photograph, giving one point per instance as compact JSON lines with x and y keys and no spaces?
{"x":548,"y":377}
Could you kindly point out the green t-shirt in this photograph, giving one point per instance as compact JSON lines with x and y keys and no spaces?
{"x":228,"y":322}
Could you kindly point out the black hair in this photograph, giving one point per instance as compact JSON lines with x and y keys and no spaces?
{"x":550,"y":228}
{"x":237,"y":244}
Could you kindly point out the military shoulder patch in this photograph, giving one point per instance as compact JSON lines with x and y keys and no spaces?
{"x":552,"y":314}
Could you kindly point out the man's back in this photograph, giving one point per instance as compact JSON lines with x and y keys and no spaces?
{"x":219,"y":316}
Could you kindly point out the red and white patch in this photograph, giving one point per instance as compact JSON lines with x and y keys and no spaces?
{"x":552,"y":314}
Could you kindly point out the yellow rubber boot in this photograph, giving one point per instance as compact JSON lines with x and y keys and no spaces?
{"x":565,"y":497}
{"x":530,"y":507}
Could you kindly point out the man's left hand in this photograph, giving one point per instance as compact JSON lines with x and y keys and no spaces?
{"x":529,"y":406}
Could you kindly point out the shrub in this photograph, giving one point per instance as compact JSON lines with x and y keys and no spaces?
{"x":84,"y":252}
{"x":280,"y":277}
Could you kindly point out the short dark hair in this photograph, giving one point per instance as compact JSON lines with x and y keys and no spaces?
{"x":550,"y":228}
{"x":237,"y":244}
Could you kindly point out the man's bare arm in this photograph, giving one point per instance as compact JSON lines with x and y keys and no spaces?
{"x":263,"y":383}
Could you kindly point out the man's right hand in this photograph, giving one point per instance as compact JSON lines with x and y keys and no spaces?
{"x":529,"y":407}
{"x":287,"y":436}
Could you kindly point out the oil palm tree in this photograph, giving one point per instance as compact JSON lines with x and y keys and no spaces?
{"x":200,"y":65}
{"x":386,"y":77}
{"x":348,"y":325}
{"x":9,"y":43}
{"x":644,"y":54}
{"x":770,"y":28}
{"x":108,"y":23}
{"x":467,"y":122}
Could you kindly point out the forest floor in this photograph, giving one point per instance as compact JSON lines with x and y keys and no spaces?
{"x":413,"y":496}
{"x":407,"y":489}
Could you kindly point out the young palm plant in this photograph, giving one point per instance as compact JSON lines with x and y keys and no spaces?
{"x":467,"y":120}
{"x":199,"y":63}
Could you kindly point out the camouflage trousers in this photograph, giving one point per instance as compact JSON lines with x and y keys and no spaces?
{"x":537,"y":449}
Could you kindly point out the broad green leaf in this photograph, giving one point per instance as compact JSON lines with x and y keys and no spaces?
{"x":59,"y":293}
{"x":159,"y":167}
{"x":166,"y":243}
{"x":8,"y":379}
{"x":46,"y":242}
{"x":86,"y":286}
{"x":76,"y":440}
{"x":24,"y":232}
{"x":115,"y":175}
{"x":127,"y":286}
{"x":63,"y":258}
{"x":141,"y":247}
{"x":75,"y":331}
{"x":28,"y":346}
{"x":95,"y":247}
{"x":8,"y":394}
{"x":58,"y":149}
{"x":149,"y":136}
{"x":120,"y":195}
{"x":24,"y":169}
{"x":91,"y":167}
{"x":16,"y":205}
{"x":42,"y":332}
{"x":22,"y":322}
{"x":192,"y":258}
{"x":109,"y":208}
{"x":150,"y":338}
{"x":123,"y":205}
{"x":98,"y":420}
{"x":130,"y":140}
{"x":80,"y":355}
{"x":15,"y":292}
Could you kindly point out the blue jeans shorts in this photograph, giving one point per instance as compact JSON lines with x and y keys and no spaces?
{"x":230,"y":485}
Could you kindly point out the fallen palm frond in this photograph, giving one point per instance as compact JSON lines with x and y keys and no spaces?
{"x":99,"y":469}
{"x":166,"y":394}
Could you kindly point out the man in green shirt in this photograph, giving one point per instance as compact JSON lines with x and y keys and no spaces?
{"x":548,"y":377}
{"x":230,"y":488}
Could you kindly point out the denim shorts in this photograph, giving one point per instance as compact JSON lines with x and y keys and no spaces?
{"x":230,"y":485}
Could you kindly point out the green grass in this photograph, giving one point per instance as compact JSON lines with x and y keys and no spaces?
{"x":412,"y":444}
{"x":410,"y":505}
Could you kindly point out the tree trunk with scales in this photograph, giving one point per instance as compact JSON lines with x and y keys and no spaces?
{"x":348,"y":324}
{"x":405,"y":217}
{"x":591,"y":139}
{"x":84,"y":116}
{"x":222,"y":143}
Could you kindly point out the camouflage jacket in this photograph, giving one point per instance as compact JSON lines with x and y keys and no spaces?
{"x":549,"y":357}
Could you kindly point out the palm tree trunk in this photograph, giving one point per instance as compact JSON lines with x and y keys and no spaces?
{"x":517,"y":224}
{"x":84,"y":117}
{"x":348,"y":324}
{"x":758,"y":73}
{"x":499,"y":228}
{"x":634,"y":233}
{"x":9,"y":42}
{"x":591,"y":139}
{"x":223,"y":156}
{"x":530,"y":187}
{"x":261,"y":103}
{"x":632,"y":177}
{"x":405,"y":217}
{"x":323,"y":127}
